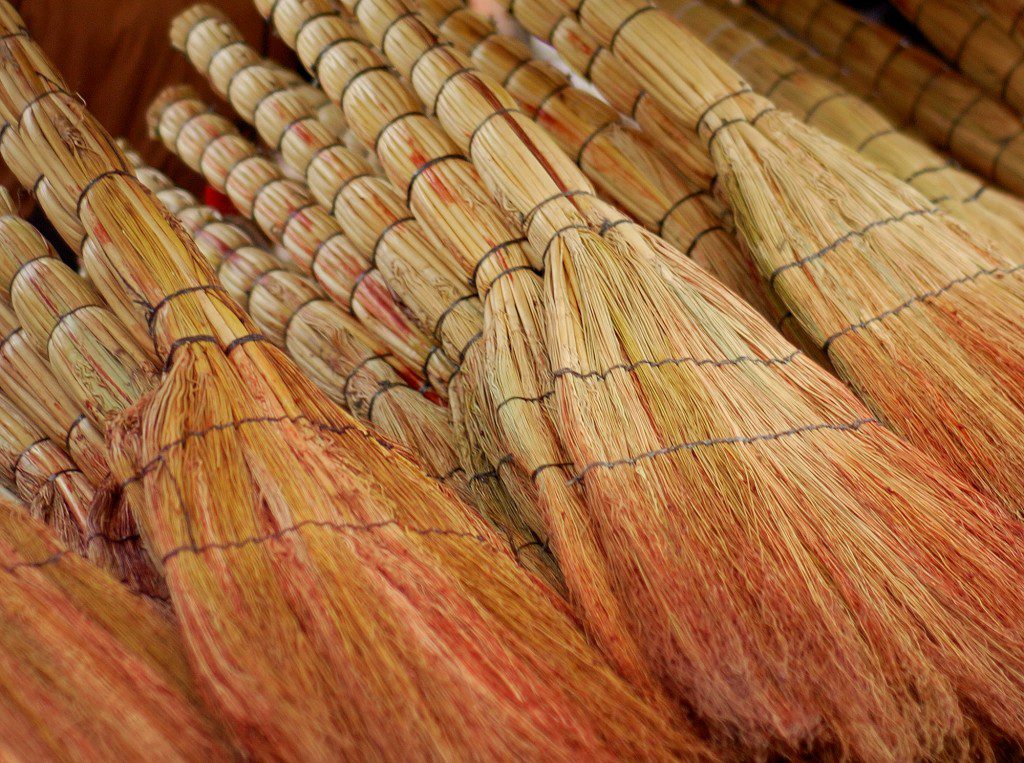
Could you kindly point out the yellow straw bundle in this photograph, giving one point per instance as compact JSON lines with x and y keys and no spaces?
{"x":913,"y":311}
{"x":448,"y":196}
{"x":27,"y":379}
{"x":87,"y":670}
{"x":370,"y":210}
{"x":285,"y":211}
{"x":620,"y":161}
{"x":350,"y":367}
{"x":914,"y":87}
{"x":322,"y":612}
{"x":972,"y":42}
{"x":44,"y":477}
{"x":778,"y":554}
{"x":846,"y":118}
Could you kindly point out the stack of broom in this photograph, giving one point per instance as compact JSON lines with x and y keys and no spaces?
{"x":474,"y":434}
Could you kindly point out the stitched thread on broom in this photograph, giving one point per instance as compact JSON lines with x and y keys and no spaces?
{"x":63,"y":316}
{"x":71,"y":430}
{"x":319,"y":525}
{"x":423,"y":168}
{"x":380,"y":133}
{"x":359,"y":367}
{"x":676,"y":206}
{"x":647,"y":363}
{"x":299,"y":309}
{"x":983,"y":273}
{"x":154,"y":310}
{"x":444,"y":83}
{"x":849,"y":235}
{"x":851,"y":426}
{"x":955,"y":124}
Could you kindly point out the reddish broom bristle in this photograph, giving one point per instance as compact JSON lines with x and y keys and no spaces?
{"x":332,"y":598}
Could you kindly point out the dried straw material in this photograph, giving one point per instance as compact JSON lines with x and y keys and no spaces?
{"x":849,"y":120}
{"x":284,"y":210}
{"x":781,"y":554}
{"x":26,"y":378}
{"x":913,"y":87}
{"x":590,"y":60}
{"x":448,"y":196}
{"x":974,"y":43}
{"x":1008,"y":14}
{"x":623,"y":165}
{"x":322,"y":611}
{"x":44,"y":477}
{"x":914,"y":312}
{"x":98,"y":362}
{"x":351,"y":368}
{"x":370,"y":210}
{"x":87,"y":670}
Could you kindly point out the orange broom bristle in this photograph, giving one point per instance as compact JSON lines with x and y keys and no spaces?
{"x":87,"y":670}
{"x":332,"y":598}
{"x":744,"y":499}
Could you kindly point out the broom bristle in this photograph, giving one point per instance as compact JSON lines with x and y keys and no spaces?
{"x":719,"y":463}
{"x":88,"y":670}
{"x":385,"y":618}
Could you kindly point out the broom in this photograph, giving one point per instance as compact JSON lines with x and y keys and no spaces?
{"x":97,"y":362}
{"x":729,"y":599}
{"x":1008,"y":14}
{"x":396,"y":625}
{"x":522,"y":443}
{"x":173,"y":102}
{"x":27,"y":379}
{"x":370,"y":210}
{"x":971,"y":41}
{"x":621,"y":163}
{"x":913,"y":87}
{"x":849,"y":120}
{"x":44,"y":477}
{"x":915,"y":279}
{"x":350,"y":367}
{"x":287,"y":214}
{"x":87,"y":670}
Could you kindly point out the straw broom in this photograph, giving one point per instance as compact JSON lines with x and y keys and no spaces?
{"x":678,"y":400}
{"x":913,"y":87}
{"x":27,"y":379}
{"x":351,"y":368}
{"x":876,"y":311}
{"x":849,"y":120}
{"x":44,"y":477}
{"x":368,"y":208}
{"x":97,"y":362}
{"x":452,"y":201}
{"x":375,"y":637}
{"x":444,"y":301}
{"x":482,"y":473}
{"x":286,"y":213}
{"x":87,"y":670}
{"x":1008,"y":14}
{"x":621,"y":163}
{"x":973,"y":43}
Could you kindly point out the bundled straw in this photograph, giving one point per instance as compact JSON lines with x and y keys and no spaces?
{"x":27,"y":379}
{"x":918,"y":315}
{"x":285,"y":211}
{"x":913,"y":87}
{"x":973,"y":43}
{"x":622,"y":164}
{"x":44,"y":477}
{"x":1008,"y":14}
{"x":505,"y":405}
{"x":88,"y":671}
{"x":331,"y":596}
{"x":349,"y":366}
{"x":369,"y":209}
{"x":797,"y":575}
{"x":846,"y":118}
{"x":97,"y":361}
